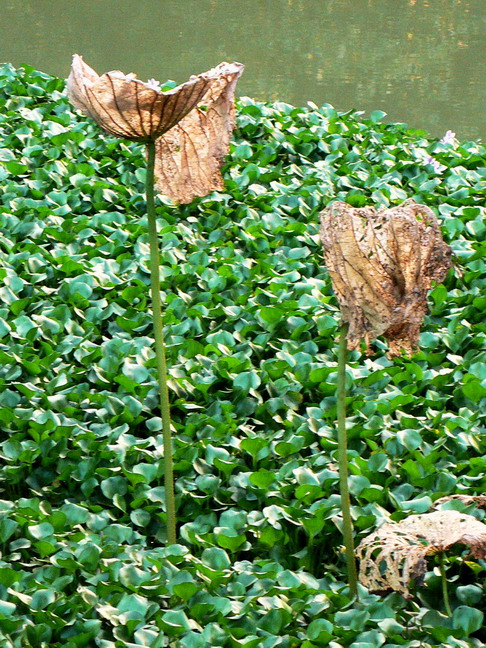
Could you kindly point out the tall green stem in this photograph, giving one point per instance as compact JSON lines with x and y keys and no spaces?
{"x":445,"y":589}
{"x":160,"y":347}
{"x":343,"y":463}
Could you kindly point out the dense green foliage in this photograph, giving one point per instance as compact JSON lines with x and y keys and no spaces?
{"x":251,"y":323}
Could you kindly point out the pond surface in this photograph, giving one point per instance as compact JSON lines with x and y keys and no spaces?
{"x":420,"y":61}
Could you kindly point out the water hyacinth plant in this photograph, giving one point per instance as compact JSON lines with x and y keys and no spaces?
{"x":188,"y":128}
{"x":382,"y":264}
{"x":250,"y":338}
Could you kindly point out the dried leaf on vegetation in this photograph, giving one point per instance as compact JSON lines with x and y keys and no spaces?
{"x":129,"y":108}
{"x":189,"y":157}
{"x":382,"y":264}
{"x":395,"y":554}
{"x":479,"y":500}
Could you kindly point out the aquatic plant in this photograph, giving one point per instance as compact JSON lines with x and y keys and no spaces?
{"x":250,"y":323}
{"x":184,"y":144}
{"x":382,"y":264}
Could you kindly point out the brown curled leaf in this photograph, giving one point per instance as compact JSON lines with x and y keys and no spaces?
{"x":396,"y":553}
{"x":189,"y":157}
{"x":129,"y":108}
{"x":382,"y":264}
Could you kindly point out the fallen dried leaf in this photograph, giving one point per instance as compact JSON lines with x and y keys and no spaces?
{"x":395,"y":554}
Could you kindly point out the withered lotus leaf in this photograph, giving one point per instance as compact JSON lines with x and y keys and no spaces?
{"x":128,"y":108}
{"x":189,"y":157}
{"x":395,"y":554}
{"x":382,"y":264}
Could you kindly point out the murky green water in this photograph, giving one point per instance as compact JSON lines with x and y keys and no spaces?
{"x":421,"y":61}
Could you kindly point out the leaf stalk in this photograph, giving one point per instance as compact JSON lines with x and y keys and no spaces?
{"x":160,"y":346}
{"x":343,"y":463}
{"x":445,"y":588}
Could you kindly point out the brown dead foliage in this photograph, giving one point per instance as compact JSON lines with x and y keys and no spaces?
{"x":189,"y":157}
{"x":382,"y":264}
{"x":396,"y":553}
{"x":129,"y":108}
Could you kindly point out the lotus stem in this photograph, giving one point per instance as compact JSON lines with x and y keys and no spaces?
{"x":343,"y":463}
{"x":160,"y":346}
{"x":445,"y":588}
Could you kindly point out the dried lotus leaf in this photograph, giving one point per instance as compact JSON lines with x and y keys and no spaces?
{"x":128,"y":108}
{"x":189,"y":157}
{"x":396,"y":553}
{"x":382,"y":264}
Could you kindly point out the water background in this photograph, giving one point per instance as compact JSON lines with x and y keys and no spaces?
{"x":423,"y":62}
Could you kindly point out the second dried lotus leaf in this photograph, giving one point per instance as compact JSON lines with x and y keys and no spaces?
{"x":382,"y":264}
{"x":395,"y":554}
{"x":189,"y":157}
